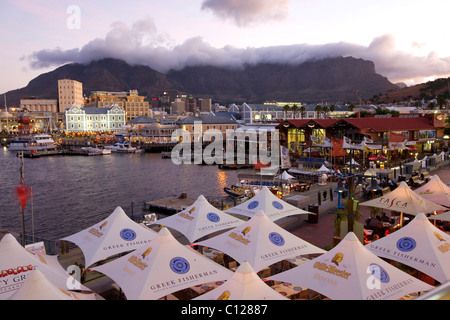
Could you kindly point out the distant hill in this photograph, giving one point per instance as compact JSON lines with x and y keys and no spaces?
{"x":333,"y":80}
{"x":428,"y":90}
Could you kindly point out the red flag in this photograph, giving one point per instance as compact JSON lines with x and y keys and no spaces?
{"x":337,"y":150}
{"x":23,"y":194}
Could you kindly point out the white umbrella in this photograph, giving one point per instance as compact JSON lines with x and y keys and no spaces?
{"x":351,"y":272}
{"x":16,"y":264}
{"x":442,"y":216}
{"x":265,"y":200}
{"x":113,"y":235}
{"x":38,"y":287}
{"x":419,"y":245}
{"x":200,"y":219}
{"x":403,"y":199}
{"x":260,"y":242}
{"x":161,"y":267}
{"x":435,"y":191}
{"x":244,"y":284}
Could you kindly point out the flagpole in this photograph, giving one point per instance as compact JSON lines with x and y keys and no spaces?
{"x":22,"y":207}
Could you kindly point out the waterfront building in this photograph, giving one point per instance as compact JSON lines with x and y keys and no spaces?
{"x":94,"y":119}
{"x":146,"y":130}
{"x":421,"y":132}
{"x":69,"y":92}
{"x":133,"y":104}
{"x":209,"y":122}
{"x":35,"y":104}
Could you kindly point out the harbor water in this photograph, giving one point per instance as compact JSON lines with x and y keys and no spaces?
{"x":71,"y":193}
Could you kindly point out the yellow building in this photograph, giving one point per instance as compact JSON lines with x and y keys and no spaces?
{"x":34,"y":104}
{"x":133,"y":104}
{"x":69,"y":92}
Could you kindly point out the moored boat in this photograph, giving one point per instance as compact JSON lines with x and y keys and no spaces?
{"x":124,"y":147}
{"x":33,"y":142}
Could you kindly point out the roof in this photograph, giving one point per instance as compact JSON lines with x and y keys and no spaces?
{"x":323,"y":123}
{"x":376,"y":124}
{"x":142,"y":119}
{"x":392,"y":124}
{"x":208,"y":120}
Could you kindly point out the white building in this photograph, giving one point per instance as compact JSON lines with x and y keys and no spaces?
{"x":94,"y":119}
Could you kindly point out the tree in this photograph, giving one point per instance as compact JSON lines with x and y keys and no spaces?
{"x":318,"y":110}
{"x":286,"y":108}
{"x":303,"y":111}
{"x":325,"y":110}
{"x":294,"y":109}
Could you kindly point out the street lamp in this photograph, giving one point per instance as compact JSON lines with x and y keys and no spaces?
{"x":340,"y":189}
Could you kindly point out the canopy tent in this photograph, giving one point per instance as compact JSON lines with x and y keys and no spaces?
{"x":403,"y":199}
{"x":285,"y":176}
{"x":113,"y":235}
{"x":161,"y":267}
{"x":370,"y":172}
{"x":353,"y":163}
{"x":351,"y":272}
{"x":442,"y":216}
{"x":265,"y":200}
{"x":16,"y":264}
{"x":435,"y":191}
{"x":419,"y":245}
{"x":244,"y":284}
{"x":199,"y":220}
{"x":323,"y":169}
{"x":260,"y":242}
{"x":38,"y":287}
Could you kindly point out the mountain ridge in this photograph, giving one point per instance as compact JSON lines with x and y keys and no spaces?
{"x":331,"y":79}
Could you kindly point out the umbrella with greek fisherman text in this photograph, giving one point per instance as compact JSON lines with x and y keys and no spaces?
{"x":265,"y":200}
{"x":419,"y":245}
{"x":351,"y":272}
{"x":16,"y":264}
{"x":113,"y":235}
{"x":260,"y":242}
{"x":200,"y":219}
{"x":244,"y":284}
{"x":38,"y":287}
{"x":161,"y":267}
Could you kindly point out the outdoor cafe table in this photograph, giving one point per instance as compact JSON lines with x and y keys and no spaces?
{"x":211,"y":253}
{"x":203,"y":288}
{"x":288,"y":289}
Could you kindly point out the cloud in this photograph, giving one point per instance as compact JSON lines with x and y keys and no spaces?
{"x":245,"y":13}
{"x":141,"y":44}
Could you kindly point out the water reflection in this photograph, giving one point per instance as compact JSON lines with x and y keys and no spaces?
{"x":74,"y":192}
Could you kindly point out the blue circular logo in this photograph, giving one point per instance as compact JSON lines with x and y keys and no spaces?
{"x":379,"y":273}
{"x":277,"y":205}
{"x":406,"y":244}
{"x":179,"y":265}
{"x":276,"y":239}
{"x":127,"y":234}
{"x":213,"y":217}
{"x":252,"y":205}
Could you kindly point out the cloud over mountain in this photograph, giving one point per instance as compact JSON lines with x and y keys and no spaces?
{"x":142,"y":44}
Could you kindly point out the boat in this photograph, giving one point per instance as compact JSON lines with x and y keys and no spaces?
{"x":33,"y":142}
{"x":98,"y":149}
{"x":235,"y":191}
{"x":122,"y":147}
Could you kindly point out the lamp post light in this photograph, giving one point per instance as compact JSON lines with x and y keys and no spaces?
{"x":339,"y":190}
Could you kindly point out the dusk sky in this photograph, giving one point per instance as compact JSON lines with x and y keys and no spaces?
{"x":408,"y":40}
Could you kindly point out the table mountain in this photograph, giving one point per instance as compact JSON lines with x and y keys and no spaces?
{"x":332,"y":79}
